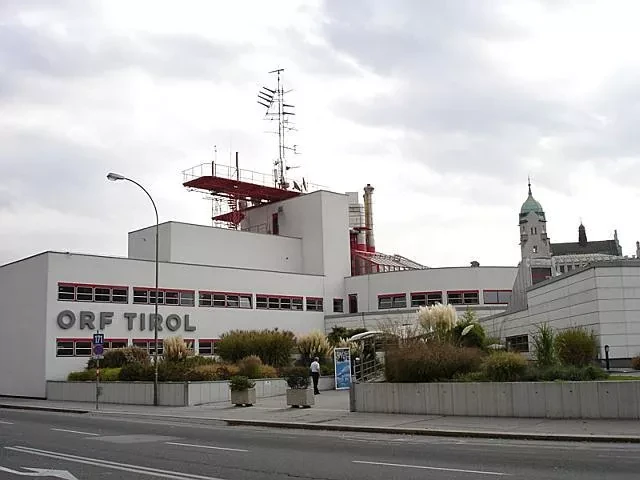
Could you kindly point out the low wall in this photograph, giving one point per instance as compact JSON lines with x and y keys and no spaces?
{"x":604,"y":399}
{"x":326,"y":383}
{"x":175,"y":394}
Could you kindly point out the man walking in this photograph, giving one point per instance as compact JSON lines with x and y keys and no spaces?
{"x":315,"y":374}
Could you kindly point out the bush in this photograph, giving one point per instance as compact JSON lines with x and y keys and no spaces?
{"x":635,"y":363}
{"x":327,"y":369}
{"x":119,"y":357}
{"x":203,"y":373}
{"x":267,"y":371}
{"x":342,"y":333}
{"x":274,"y":347}
{"x":250,"y":367}
{"x":430,"y":362}
{"x":576,"y":346}
{"x":570,"y":373}
{"x":543,"y":344}
{"x":175,"y":349}
{"x":504,"y":367}
{"x":136,"y":372}
{"x":315,"y":344}
{"x":469,"y":334}
{"x":83,"y":376}
{"x":297,"y":377}
{"x":239,"y":383}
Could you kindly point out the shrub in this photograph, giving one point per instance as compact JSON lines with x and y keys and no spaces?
{"x":576,"y":346}
{"x":504,"y":367}
{"x":635,"y":363}
{"x":170,"y":371}
{"x":83,"y":376}
{"x":430,"y":362}
{"x":339,"y":334}
{"x":570,"y":373}
{"x":121,"y":356}
{"x":176,"y":349}
{"x":274,"y":347}
{"x":240,"y":382}
{"x":197,"y":360}
{"x":250,"y":366}
{"x":543,"y":344}
{"x":136,"y":372}
{"x":327,"y":369}
{"x":267,"y":371}
{"x":315,"y":344}
{"x":468,"y":334}
{"x":202,"y":373}
{"x":296,"y":377}
{"x":438,"y":321}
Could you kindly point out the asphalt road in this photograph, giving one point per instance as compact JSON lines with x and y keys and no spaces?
{"x":105,"y":447}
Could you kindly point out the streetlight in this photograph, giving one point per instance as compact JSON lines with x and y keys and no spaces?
{"x":115,"y":177}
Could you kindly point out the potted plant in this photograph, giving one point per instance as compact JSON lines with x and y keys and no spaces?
{"x":298,"y":394}
{"x":243,"y":392}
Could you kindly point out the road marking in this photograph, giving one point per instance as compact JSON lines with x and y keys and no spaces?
{"x":75,"y":431}
{"x":125,"y":467}
{"x":41,"y":472}
{"x":5,"y":423}
{"x":442,"y":469}
{"x":207,"y":446}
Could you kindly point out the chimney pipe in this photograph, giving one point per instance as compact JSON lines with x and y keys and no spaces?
{"x":368,"y":218}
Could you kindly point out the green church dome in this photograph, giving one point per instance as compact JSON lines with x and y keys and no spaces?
{"x":531,"y":205}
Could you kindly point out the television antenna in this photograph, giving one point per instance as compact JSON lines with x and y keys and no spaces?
{"x":278,"y":110}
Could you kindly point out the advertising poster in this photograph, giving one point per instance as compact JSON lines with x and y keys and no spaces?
{"x":342,"y":362}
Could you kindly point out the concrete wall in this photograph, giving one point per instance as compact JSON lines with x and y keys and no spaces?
{"x":23,"y":293}
{"x":606,"y":399}
{"x":169,"y":393}
{"x":604,"y":298}
{"x":209,"y":322}
{"x":204,"y":245}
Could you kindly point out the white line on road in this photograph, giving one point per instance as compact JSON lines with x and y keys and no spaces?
{"x":75,"y":431}
{"x":5,"y":423}
{"x":41,"y":472}
{"x":109,"y":464}
{"x":207,"y":446}
{"x":442,"y":469}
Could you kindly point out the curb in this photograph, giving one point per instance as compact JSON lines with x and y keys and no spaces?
{"x":438,"y":433}
{"x":11,"y":406}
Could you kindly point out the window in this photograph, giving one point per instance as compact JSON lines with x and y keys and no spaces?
{"x":518,"y":343}
{"x":534,"y":249}
{"x":396,"y":300}
{"x":420,"y":299}
{"x":166,"y":296}
{"x":206,"y":346}
{"x":314,"y":304}
{"x":225,"y":300}
{"x":73,"y":347}
{"x":278,"y":303}
{"x":338,"y":305}
{"x":148,"y":346}
{"x":275,"y":226}
{"x":561,"y":268}
{"x":470,"y":297}
{"x":75,"y":292}
{"x":497,"y":296}
{"x":110,"y":344}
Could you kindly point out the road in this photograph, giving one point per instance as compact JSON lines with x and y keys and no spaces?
{"x":126,"y":447}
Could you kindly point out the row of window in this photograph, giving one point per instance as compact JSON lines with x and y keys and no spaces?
{"x":186,"y":298}
{"x":81,"y":347}
{"x":418,"y":299}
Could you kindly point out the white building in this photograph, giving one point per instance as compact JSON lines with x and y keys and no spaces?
{"x":296,"y":275}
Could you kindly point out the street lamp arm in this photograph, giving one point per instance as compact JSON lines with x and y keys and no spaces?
{"x":148,"y":195}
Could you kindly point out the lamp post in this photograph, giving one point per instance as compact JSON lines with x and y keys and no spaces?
{"x":115,"y":177}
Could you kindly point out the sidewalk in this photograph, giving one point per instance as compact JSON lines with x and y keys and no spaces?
{"x":331,"y":412}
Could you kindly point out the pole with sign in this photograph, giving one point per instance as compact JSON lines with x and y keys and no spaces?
{"x":97,"y":353}
{"x":342,"y":363}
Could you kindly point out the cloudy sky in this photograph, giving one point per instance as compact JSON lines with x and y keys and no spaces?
{"x":444,"y":107}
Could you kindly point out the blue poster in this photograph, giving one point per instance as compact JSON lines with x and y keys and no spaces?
{"x":342,"y":362}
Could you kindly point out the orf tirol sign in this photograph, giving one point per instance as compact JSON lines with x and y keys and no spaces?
{"x":92,"y":321}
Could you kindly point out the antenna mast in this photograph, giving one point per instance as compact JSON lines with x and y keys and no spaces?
{"x":277,"y":109}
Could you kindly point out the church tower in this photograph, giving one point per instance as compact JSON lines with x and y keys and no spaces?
{"x":534,"y":242}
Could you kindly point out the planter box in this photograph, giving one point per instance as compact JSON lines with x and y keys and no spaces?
{"x":243,"y":397}
{"x":297,"y":397}
{"x":598,"y":399}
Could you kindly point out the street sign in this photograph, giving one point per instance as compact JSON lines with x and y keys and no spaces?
{"x":98,"y":338}
{"x":97,"y":346}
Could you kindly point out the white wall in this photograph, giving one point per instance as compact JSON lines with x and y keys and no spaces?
{"x":209,"y":322}
{"x":368,"y":287}
{"x":603,"y":298}
{"x":204,"y":245}
{"x":23,"y":287}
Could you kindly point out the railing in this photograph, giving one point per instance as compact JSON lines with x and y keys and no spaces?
{"x":369,"y":370}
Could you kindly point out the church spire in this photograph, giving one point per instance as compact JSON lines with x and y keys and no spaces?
{"x":529,"y":182}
